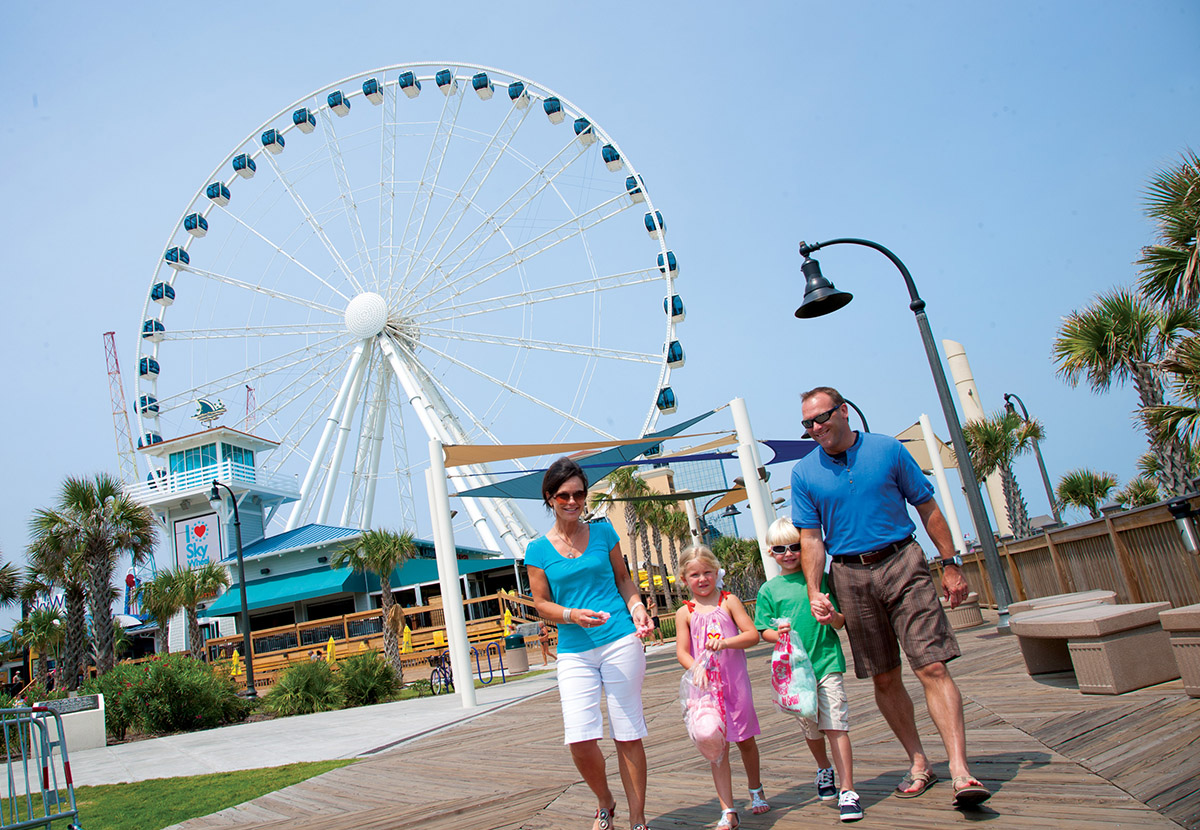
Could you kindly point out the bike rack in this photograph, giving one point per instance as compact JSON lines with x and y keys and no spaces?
{"x":491,"y":671}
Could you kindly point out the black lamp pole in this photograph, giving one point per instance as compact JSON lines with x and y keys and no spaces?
{"x":820,"y":298}
{"x":214,"y":498}
{"x":1037,"y":451}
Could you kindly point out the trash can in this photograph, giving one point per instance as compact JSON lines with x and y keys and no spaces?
{"x":516,"y":659}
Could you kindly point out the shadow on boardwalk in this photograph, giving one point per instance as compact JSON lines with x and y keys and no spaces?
{"x":1051,"y":755}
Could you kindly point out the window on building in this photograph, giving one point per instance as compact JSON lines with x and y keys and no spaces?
{"x":238,"y":455}
{"x":193,"y":459}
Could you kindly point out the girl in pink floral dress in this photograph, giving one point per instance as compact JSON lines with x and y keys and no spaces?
{"x":716,"y":620}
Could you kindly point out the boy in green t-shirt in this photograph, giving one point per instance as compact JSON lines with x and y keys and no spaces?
{"x":786,"y":596}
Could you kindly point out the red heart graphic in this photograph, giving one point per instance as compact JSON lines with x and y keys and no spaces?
{"x":200,"y":530}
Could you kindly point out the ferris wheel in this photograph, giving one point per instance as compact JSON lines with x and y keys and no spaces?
{"x":423,"y":251}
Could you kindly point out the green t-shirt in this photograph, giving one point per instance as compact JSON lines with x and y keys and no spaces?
{"x":787,"y":596}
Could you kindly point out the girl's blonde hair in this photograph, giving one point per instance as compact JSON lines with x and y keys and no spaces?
{"x":782,"y":532}
{"x":697,"y":553}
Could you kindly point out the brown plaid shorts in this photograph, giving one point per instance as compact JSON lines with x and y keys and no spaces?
{"x":893,"y":600}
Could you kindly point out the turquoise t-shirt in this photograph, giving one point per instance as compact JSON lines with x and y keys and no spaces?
{"x":585,"y":582}
{"x":787,"y":596}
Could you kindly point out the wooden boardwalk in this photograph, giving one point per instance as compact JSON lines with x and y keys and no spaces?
{"x":1050,"y":755}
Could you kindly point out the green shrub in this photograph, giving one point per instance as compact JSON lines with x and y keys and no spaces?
{"x":122,"y":701}
{"x":666,"y":625}
{"x":367,"y":678}
{"x":36,"y":692}
{"x":304,"y":688}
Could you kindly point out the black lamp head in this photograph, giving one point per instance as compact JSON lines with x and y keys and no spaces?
{"x":730,"y":511}
{"x":820,"y":297}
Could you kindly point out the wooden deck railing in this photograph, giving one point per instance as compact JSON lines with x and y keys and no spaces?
{"x":1138,"y":553}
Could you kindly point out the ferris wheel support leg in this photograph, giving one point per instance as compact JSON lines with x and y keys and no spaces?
{"x":314,"y":466}
{"x":434,"y":429}
{"x":452,"y":606}
{"x":366,"y":461}
{"x":343,"y":435}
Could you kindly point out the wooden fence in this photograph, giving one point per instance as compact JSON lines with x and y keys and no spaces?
{"x":1138,"y":553}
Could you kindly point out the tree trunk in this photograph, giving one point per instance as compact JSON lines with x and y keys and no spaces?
{"x":1018,"y":514}
{"x":100,"y":571}
{"x":391,"y":645}
{"x":631,"y":534}
{"x":195,"y":647}
{"x":75,"y":599}
{"x":662,"y":565}
{"x":1174,"y":460}
{"x":674,"y":586}
{"x":164,"y":638}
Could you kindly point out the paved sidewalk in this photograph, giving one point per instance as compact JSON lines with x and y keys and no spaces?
{"x":346,"y":733}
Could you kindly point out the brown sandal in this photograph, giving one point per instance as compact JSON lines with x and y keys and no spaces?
{"x":923,"y":780}
{"x":970,"y":793}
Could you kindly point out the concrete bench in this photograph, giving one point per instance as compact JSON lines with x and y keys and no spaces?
{"x":966,"y":615}
{"x":1043,"y":653}
{"x":1057,"y":600}
{"x":1183,"y":627}
{"x":1113,"y":648}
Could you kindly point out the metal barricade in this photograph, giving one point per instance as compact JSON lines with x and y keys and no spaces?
{"x":37,"y":785}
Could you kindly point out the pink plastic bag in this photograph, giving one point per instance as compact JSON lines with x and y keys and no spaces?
{"x":792,"y":677}
{"x":703,"y":708}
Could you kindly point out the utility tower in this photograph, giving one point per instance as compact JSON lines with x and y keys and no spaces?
{"x":126,"y":460}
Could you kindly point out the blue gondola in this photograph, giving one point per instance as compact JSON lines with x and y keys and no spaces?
{"x":584,"y":131}
{"x":304,"y":120}
{"x":244,"y":166}
{"x":373,"y":91}
{"x":219,"y":193}
{"x":148,"y":405}
{"x":482,"y":85}
{"x":148,"y":439}
{"x":177,"y":257}
{"x":409,"y":84}
{"x":655,"y":224}
{"x":195,"y":224}
{"x":666,"y":401}
{"x":675,"y":358}
{"x":148,"y":368}
{"x":612,"y":159}
{"x":338,"y":103}
{"x":668,"y":264}
{"x":273,"y":141}
{"x":153,"y":331}
{"x":654,"y":451}
{"x":518,"y":95}
{"x":446,"y":82}
{"x":554,"y":110}
{"x":156,"y":479}
{"x":162,"y":293}
{"x":674,"y":307}
{"x":633,"y":186}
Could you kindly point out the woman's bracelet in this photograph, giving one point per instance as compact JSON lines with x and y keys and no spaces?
{"x":635,"y":605}
{"x":567,"y":614}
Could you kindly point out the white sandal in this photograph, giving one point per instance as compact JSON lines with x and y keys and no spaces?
{"x":725,"y":823}
{"x":758,"y":802}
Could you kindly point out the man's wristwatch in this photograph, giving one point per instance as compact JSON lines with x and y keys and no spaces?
{"x":953,"y":560}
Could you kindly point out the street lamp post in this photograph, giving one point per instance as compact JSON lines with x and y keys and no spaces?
{"x":214,"y":498}
{"x":1037,"y":451}
{"x":820,"y":298}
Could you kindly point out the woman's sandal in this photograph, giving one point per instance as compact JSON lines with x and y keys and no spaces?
{"x":729,"y":820}
{"x":604,"y":817}
{"x":758,"y":802}
{"x":969,"y":793}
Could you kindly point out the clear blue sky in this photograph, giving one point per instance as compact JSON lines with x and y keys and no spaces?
{"x":1000,"y":150}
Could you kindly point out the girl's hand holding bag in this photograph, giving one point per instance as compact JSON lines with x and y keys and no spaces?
{"x":703,"y":714}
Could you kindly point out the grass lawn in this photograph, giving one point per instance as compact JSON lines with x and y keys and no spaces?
{"x":160,"y":802}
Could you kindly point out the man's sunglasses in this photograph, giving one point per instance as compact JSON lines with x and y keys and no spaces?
{"x":578,"y":495}
{"x":794,"y":548}
{"x":820,"y":419}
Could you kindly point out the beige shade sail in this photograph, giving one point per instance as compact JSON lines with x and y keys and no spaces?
{"x":914,"y":442}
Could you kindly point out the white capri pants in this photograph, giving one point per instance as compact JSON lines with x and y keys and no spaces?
{"x":619,"y":667}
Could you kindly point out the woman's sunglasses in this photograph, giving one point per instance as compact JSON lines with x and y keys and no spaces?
{"x":564,"y":498}
{"x":794,"y":548}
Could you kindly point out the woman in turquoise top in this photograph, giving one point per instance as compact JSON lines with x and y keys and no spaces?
{"x":579,"y":580}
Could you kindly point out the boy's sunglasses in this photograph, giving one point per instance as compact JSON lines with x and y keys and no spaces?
{"x":577,"y":495}
{"x":794,"y":548}
{"x":819,"y":419}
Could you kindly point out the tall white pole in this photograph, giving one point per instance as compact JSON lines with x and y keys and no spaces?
{"x":343,"y":434}
{"x":452,"y":601}
{"x":933,"y":447}
{"x":693,"y":522}
{"x":755,"y":476}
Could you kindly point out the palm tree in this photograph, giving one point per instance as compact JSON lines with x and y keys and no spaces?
{"x":93,"y":516}
{"x":380,"y":552}
{"x":1121,"y":337}
{"x":994,"y":442}
{"x":1171,"y":269}
{"x":1086,"y":490}
{"x":41,"y":631}
{"x":1140,"y":492}
{"x":61,"y":568}
{"x":159,"y":599}
{"x":677,"y":531}
{"x":743,"y":564}
{"x":10,"y":583}
{"x":192,"y":585}
{"x":1182,"y":420}
{"x":624,"y":483}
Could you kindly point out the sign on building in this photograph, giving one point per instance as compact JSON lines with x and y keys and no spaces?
{"x":198,"y":540}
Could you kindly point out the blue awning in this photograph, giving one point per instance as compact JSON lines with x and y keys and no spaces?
{"x":280,"y":590}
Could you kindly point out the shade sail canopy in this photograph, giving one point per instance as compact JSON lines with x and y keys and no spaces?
{"x":280,"y":590}
{"x":914,"y":441}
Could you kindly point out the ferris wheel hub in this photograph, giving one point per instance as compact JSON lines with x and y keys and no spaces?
{"x":366,"y":315}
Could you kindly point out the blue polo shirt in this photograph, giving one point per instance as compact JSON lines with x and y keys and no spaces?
{"x":859,"y":499}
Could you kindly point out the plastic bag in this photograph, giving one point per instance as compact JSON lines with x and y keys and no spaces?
{"x":703,"y":709}
{"x":792,"y":676}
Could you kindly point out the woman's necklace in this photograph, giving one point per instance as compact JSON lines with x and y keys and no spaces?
{"x":570,"y":550}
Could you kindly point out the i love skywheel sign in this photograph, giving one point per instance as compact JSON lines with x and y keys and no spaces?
{"x":197,"y":540}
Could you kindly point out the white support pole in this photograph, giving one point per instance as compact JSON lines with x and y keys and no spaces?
{"x":933,"y":447}
{"x":755,"y":476}
{"x":693,"y":522}
{"x":452,"y":601}
{"x":343,"y":434}
{"x":314,"y":466}
{"x":376,"y":451}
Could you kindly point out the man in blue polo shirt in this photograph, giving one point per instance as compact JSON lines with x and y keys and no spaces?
{"x":851,"y":500}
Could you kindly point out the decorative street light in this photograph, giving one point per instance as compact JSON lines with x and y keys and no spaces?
{"x":1011,"y":410}
{"x":820,"y":298}
{"x":214,"y":498}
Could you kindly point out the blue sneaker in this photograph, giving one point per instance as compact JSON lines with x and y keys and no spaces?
{"x":825,"y":786}
{"x":849,"y":807}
